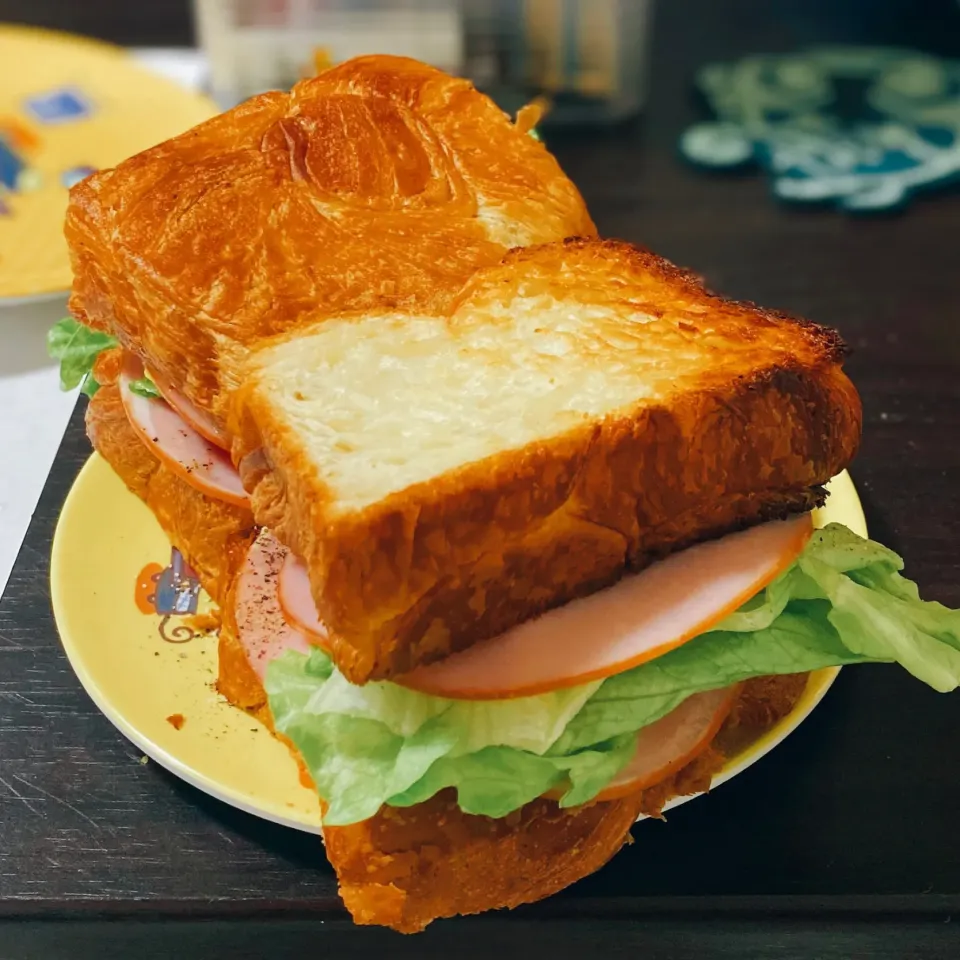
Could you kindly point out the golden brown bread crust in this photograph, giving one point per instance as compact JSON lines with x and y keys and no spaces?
{"x":381,"y":182}
{"x":445,"y":563}
{"x":212,"y":536}
{"x":404,"y":868}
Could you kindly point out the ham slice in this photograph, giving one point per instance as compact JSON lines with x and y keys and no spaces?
{"x":641,"y":617}
{"x":262,"y":629}
{"x":296,"y":601}
{"x":193,"y":415}
{"x":638,"y":619}
{"x":173,"y":441}
{"x":669,"y":744}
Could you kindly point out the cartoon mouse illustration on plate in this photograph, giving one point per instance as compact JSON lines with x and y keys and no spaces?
{"x":171,"y":591}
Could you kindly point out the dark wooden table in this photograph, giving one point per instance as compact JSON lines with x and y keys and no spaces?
{"x":844,"y":842}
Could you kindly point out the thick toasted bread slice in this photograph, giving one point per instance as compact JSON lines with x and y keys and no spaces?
{"x":381,"y":183}
{"x":584,"y":408}
{"x":404,"y":868}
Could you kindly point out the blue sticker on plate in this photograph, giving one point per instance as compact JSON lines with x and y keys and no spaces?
{"x":75,"y":174}
{"x":861,"y":127}
{"x":63,"y":105}
{"x":11,"y":166}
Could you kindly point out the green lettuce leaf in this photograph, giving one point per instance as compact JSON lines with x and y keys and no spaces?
{"x":842,"y":602}
{"x":144,"y":387}
{"x":77,"y":348}
{"x":384,"y":732}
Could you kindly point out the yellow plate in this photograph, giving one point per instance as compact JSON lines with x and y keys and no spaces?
{"x":104,"y":539}
{"x":68,"y":104}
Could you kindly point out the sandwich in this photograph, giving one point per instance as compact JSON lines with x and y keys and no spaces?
{"x":511,"y":546}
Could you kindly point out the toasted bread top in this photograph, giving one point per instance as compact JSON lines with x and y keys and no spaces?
{"x":579,"y":410}
{"x":553,"y":339}
{"x":381,"y":183}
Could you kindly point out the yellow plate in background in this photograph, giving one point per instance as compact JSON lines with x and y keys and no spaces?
{"x":104,"y":539}
{"x":69,"y":105}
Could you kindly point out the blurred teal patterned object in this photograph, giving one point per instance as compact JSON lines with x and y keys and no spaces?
{"x":864,"y":128}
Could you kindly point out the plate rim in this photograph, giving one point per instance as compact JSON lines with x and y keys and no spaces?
{"x":817,"y":686}
{"x":170,"y":762}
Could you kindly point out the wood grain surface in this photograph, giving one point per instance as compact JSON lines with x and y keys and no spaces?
{"x":844,"y":842}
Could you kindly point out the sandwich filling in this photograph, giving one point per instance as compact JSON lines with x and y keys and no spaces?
{"x":174,"y":430}
{"x":843,"y":601}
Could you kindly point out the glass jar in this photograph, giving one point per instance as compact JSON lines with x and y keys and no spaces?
{"x":585,"y":59}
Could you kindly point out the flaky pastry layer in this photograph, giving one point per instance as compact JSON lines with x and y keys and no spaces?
{"x":380,"y":183}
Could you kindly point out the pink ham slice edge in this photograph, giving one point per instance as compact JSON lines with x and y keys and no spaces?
{"x":666,"y":745}
{"x":202,"y":464}
{"x":296,"y":601}
{"x":262,"y":629}
{"x":637,"y":619}
{"x":193,"y":415}
{"x":641,"y":617}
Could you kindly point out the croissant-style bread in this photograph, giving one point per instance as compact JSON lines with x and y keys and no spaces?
{"x":380,"y":183}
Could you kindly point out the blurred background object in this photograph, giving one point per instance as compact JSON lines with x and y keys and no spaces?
{"x":861,"y":127}
{"x":257,"y":45}
{"x":585,"y":56}
{"x":68,"y":106}
{"x":492,"y":36}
